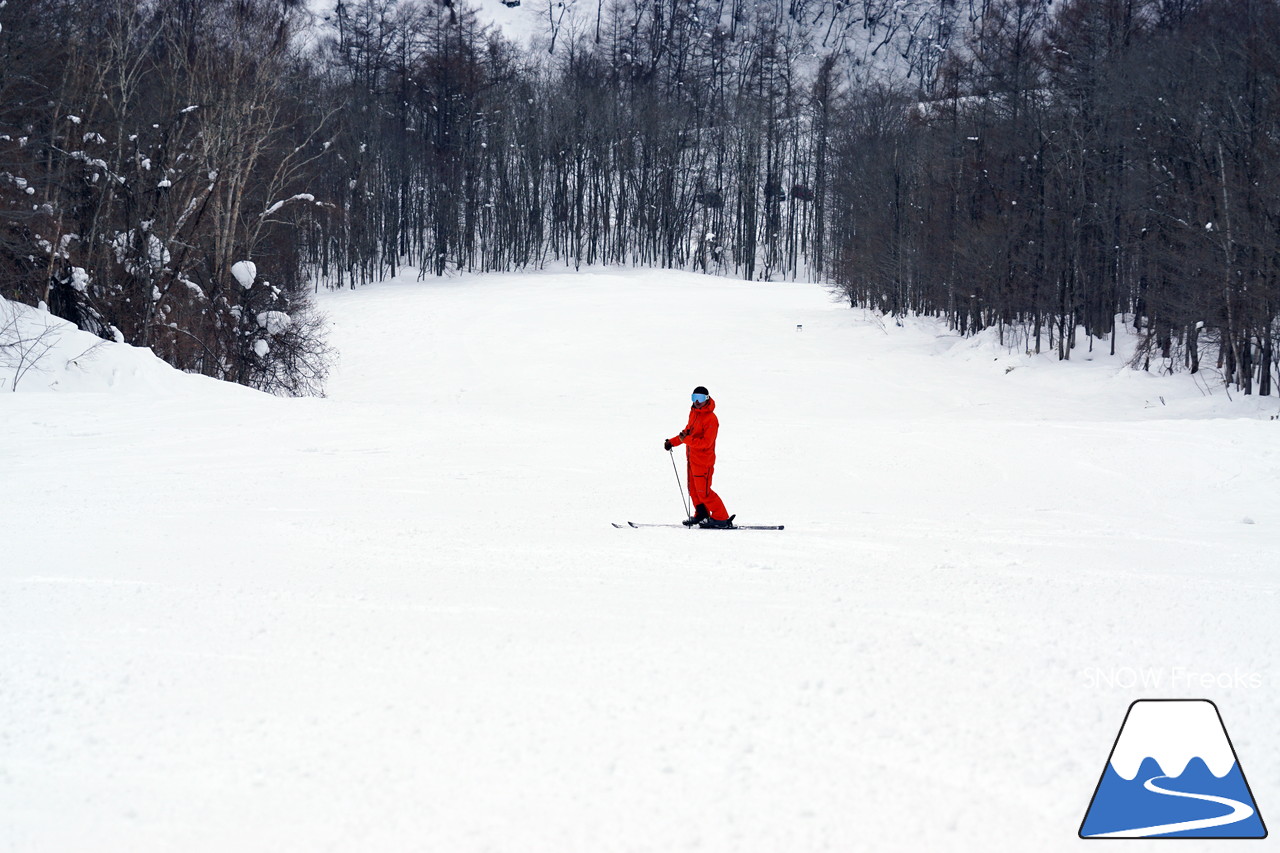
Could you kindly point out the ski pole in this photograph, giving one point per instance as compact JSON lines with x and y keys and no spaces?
{"x":676,"y":471}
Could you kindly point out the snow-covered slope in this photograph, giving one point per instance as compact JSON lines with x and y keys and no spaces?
{"x":398,"y":618}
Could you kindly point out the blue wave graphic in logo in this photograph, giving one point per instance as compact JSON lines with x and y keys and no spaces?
{"x":1195,"y":804}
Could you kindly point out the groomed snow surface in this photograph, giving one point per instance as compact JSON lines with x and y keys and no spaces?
{"x":398,"y":619}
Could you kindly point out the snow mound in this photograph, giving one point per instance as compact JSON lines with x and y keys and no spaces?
{"x":40,"y":352}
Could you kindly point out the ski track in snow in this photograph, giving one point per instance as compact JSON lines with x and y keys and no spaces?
{"x":399,"y":619}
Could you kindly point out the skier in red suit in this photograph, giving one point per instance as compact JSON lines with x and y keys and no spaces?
{"x":699,"y":439}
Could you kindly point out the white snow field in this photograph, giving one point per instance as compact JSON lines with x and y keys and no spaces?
{"x":398,"y":618}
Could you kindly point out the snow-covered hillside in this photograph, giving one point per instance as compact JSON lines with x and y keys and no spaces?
{"x":399,"y":619}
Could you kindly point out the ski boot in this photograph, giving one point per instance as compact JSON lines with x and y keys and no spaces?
{"x":700,"y":515}
{"x":718,"y":524}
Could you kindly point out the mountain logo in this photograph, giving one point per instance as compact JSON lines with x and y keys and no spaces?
{"x":1172,"y":773}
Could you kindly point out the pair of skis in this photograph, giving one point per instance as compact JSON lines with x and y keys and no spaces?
{"x":697,"y":527}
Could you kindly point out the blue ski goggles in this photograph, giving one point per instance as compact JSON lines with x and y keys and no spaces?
{"x":701,"y":398}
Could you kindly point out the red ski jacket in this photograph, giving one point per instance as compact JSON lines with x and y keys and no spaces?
{"x":699,"y":436}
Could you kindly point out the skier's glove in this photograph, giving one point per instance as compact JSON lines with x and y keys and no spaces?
{"x":666,"y":445}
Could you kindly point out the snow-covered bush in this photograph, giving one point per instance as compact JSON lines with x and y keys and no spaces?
{"x":157,"y":224}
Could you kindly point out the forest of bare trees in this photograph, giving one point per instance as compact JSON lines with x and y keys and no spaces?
{"x":1103,"y":159}
{"x":184,"y":174}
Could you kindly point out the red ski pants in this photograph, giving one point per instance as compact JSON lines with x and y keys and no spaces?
{"x":700,"y":492}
